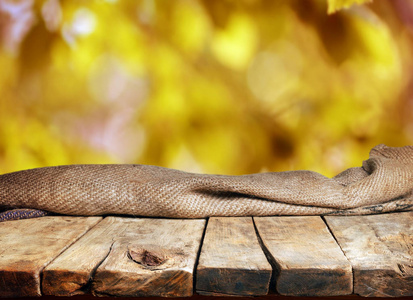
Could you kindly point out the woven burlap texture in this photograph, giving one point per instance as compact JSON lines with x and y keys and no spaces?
{"x":383,"y":184}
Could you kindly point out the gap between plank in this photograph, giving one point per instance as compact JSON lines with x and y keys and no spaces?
{"x":87,"y":287}
{"x":334,"y":237}
{"x":271,"y":260}
{"x":197,"y":257}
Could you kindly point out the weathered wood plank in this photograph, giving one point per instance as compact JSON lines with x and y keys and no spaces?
{"x":232,"y":261}
{"x":150,"y":257}
{"x":71,"y":273}
{"x":306,"y":258}
{"x":380,"y":248}
{"x":27,"y":246}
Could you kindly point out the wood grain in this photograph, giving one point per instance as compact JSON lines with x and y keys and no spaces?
{"x":305,"y":256}
{"x":71,"y":273}
{"x":150,"y":257}
{"x":380,"y":249}
{"x":27,"y":246}
{"x":232,"y":261}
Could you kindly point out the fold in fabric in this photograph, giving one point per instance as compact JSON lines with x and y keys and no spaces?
{"x":384,"y":183}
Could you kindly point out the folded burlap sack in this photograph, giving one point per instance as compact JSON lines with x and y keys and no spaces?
{"x":383,"y":184}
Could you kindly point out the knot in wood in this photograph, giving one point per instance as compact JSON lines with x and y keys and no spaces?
{"x":147,"y":258}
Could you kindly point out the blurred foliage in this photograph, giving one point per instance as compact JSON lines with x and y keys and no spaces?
{"x":336,"y":5}
{"x":215,"y":86}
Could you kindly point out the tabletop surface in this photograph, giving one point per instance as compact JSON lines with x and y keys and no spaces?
{"x":370,"y":256}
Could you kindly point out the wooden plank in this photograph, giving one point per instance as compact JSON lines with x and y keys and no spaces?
{"x":63,"y":277}
{"x":232,"y":261}
{"x":150,"y":257}
{"x":380,"y":248}
{"x":305,"y":256}
{"x":27,"y":246}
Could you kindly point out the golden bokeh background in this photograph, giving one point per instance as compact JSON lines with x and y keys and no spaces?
{"x":212,"y":86}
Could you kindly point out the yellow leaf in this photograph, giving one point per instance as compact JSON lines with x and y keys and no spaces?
{"x":235,"y":46}
{"x":336,"y":5}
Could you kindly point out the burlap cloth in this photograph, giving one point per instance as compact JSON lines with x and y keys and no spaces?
{"x":383,"y":184}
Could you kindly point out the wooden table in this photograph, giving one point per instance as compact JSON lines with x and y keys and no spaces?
{"x":369,"y":256}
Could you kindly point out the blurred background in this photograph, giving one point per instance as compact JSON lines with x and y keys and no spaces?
{"x":212,"y":86}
